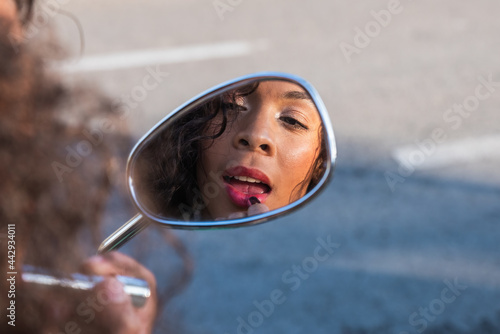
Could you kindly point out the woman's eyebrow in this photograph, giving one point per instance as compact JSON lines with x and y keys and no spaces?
{"x":296,"y":95}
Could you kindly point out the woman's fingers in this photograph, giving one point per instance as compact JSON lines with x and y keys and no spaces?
{"x":254,"y":209}
{"x":257,"y":208}
{"x":236,"y":215}
{"x":115,"y":263}
{"x":99,"y":265}
{"x":116,"y":310}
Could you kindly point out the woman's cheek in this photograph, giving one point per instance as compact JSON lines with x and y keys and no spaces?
{"x":300,"y":153}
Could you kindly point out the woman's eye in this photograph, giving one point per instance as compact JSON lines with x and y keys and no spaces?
{"x":293,"y":122}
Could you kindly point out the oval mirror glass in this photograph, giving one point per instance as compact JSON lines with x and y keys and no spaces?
{"x":240,"y":153}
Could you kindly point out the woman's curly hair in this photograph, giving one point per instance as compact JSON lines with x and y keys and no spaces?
{"x":56,"y":205}
{"x":39,"y":118}
{"x":25,"y":10}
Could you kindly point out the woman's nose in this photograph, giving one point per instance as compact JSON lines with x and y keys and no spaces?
{"x":255,"y":133}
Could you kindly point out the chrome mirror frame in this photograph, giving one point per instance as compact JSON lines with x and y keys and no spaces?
{"x":144,"y":218}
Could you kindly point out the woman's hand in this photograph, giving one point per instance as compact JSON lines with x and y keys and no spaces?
{"x":254,"y":209}
{"x":112,"y":310}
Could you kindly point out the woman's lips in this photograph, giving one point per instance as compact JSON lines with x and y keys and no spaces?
{"x":242,"y":183}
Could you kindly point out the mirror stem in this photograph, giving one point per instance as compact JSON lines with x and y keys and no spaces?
{"x":123,"y":234}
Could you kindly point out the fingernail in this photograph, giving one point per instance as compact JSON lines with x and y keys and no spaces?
{"x":114,"y":291}
{"x":254,"y":200}
{"x":96,"y":259}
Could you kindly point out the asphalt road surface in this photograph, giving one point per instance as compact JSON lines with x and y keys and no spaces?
{"x":406,"y":237}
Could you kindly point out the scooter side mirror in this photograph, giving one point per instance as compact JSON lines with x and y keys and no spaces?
{"x":244,"y":152}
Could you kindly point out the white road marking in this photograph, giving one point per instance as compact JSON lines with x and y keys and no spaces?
{"x":163,"y":56}
{"x":448,"y":153}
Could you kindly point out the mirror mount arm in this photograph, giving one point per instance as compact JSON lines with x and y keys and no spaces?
{"x":129,"y":230}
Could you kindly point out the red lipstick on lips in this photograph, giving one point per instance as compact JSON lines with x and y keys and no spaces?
{"x":242,"y":183}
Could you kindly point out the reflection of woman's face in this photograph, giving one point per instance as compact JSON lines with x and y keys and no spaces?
{"x":267,"y":151}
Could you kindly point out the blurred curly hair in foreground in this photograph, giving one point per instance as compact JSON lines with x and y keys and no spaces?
{"x":61,"y":151}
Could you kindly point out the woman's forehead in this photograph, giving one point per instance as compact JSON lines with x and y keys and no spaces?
{"x":283,"y":92}
{"x":287,"y":93}
{"x":282,"y":89}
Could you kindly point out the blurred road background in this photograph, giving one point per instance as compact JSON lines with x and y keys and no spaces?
{"x":414,"y":204}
